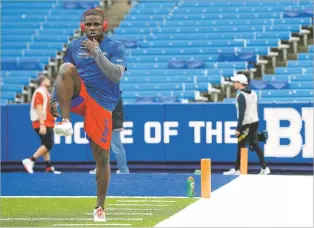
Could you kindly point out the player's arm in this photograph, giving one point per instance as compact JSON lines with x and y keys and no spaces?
{"x":241,"y":107}
{"x":38,"y":103}
{"x":40,"y":113}
{"x":111,"y":70}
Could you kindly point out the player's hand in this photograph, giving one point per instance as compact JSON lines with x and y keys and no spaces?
{"x":54,"y":108}
{"x":90,"y":45}
{"x":42,"y":130}
{"x":238,"y":133}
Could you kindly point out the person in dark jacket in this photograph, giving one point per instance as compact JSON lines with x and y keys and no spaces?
{"x":116,"y":145}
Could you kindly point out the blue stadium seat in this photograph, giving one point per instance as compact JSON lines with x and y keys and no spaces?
{"x":22,"y":63}
{"x":130,"y":17}
{"x":212,"y":29}
{"x":40,"y":52}
{"x":48,"y":38}
{"x":164,"y":72}
{"x":278,"y":100}
{"x":292,"y":77}
{"x":274,"y":42}
{"x":7,"y":38}
{"x":294,"y":70}
{"x":3,"y":101}
{"x":237,"y":22}
{"x":302,"y":85}
{"x":150,"y":11}
{"x":20,"y":73}
{"x":241,"y":3}
{"x":183,"y":50}
{"x":199,"y":16}
{"x":166,"y":58}
{"x":30,"y":5}
{"x":213,"y":79}
{"x":155,"y":5}
{"x":8,"y":95}
{"x":209,"y":36}
{"x":306,"y":56}
{"x":311,"y":48}
{"x":151,"y":87}
{"x":29,"y":25}
{"x":63,"y":24}
{"x":187,"y":43}
{"x":179,"y":94}
{"x":46,"y":45}
{"x":11,"y":52}
{"x":286,"y":93}
{"x":6,"y":87}
{"x":299,"y":63}
{"x":13,"y":45}
{"x":16,"y":80}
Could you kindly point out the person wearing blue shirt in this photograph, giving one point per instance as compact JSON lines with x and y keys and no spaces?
{"x":88,"y":85}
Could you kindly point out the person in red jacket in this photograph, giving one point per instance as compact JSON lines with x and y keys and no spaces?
{"x":43,"y":123}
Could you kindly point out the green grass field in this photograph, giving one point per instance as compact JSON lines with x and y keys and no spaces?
{"x":77,"y":212}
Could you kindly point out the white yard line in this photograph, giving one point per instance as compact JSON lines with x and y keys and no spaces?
{"x":102,"y":224}
{"x":122,"y":197}
{"x":132,"y":209}
{"x":124,"y":213}
{"x":68,"y":219}
{"x":138,"y":205}
{"x":145,"y":201}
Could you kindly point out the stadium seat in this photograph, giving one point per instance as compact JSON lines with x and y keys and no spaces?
{"x":301,"y":85}
{"x":306,"y":56}
{"x":6,"y":87}
{"x":289,"y":77}
{"x":286,"y":93}
{"x":294,"y":70}
{"x":3,"y":101}
{"x":299,"y":63}
{"x":8,"y":95}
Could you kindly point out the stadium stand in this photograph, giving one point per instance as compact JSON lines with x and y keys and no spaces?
{"x":218,"y":39}
{"x":34,"y":34}
{"x":178,"y":51}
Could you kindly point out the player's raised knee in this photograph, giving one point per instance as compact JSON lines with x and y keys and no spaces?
{"x":67,"y":68}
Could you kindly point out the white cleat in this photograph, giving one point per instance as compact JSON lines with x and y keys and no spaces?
{"x":232,"y":172}
{"x":92,"y":171}
{"x":265,"y":171}
{"x":64,"y":128}
{"x":99,"y":215}
{"x":119,"y":172}
{"x":28,"y":165}
{"x":52,"y":170}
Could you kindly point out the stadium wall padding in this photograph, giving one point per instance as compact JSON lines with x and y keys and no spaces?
{"x":172,"y":132}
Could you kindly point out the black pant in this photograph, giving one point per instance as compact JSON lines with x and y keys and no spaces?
{"x":47,"y":139}
{"x":249,"y":136}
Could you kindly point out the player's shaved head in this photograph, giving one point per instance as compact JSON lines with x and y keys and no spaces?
{"x":94,"y":12}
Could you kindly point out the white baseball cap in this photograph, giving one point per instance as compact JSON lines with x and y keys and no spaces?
{"x":240,"y":78}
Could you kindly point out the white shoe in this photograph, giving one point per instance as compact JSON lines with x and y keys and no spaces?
{"x":28,"y":165}
{"x":99,"y":215}
{"x":52,"y":170}
{"x":265,"y":171}
{"x":64,"y":128}
{"x":119,"y":172}
{"x":232,"y":172}
{"x":92,"y":171}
